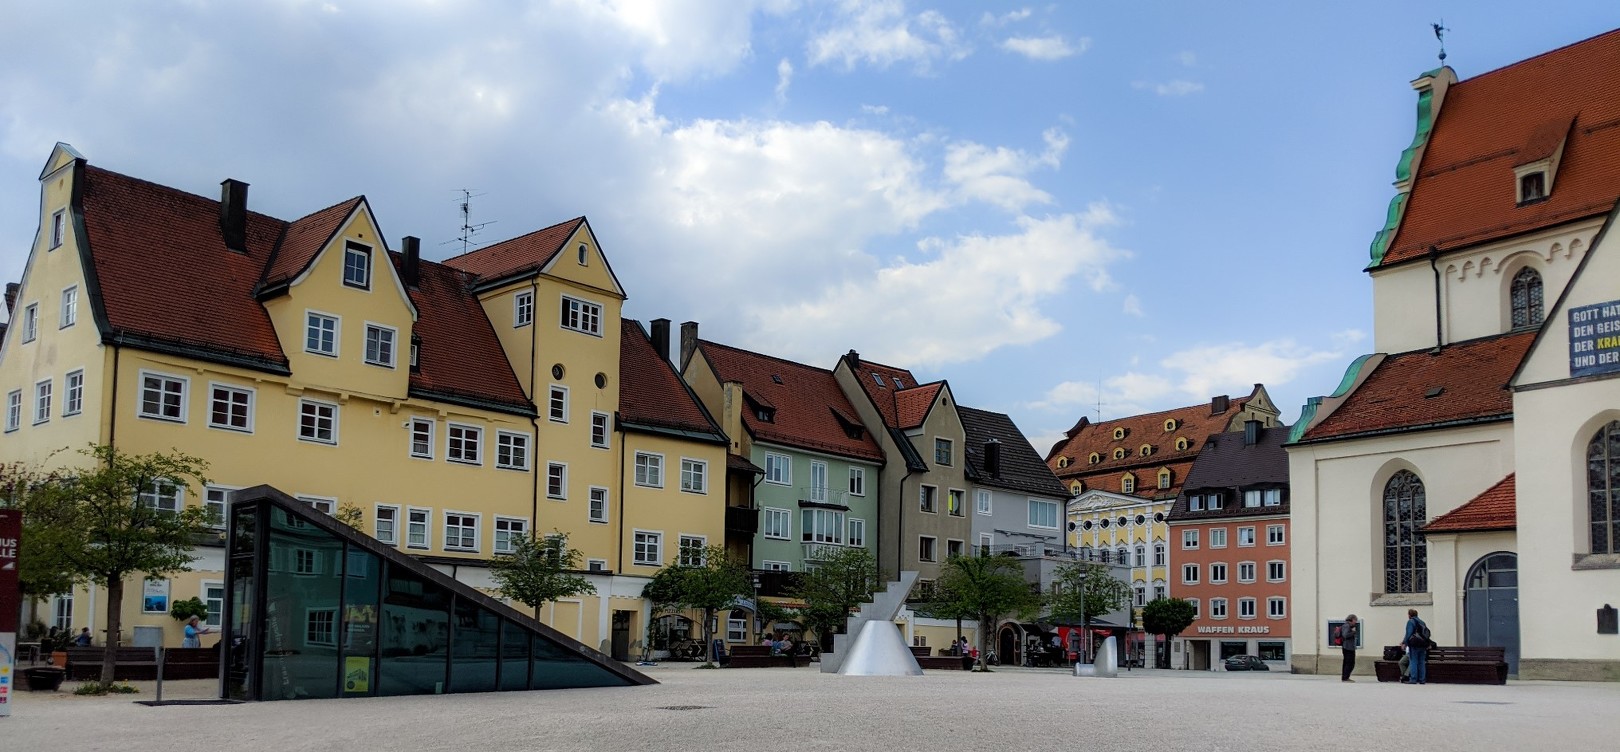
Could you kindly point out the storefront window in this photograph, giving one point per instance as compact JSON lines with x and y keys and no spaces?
{"x":1272,"y":651}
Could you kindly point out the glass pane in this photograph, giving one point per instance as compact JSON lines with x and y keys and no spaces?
{"x":239,"y":662}
{"x":244,"y":524}
{"x":415,"y":636}
{"x":363,"y":577}
{"x":301,"y":611}
{"x":514,"y":656}
{"x":476,"y":649}
{"x":554,"y":668}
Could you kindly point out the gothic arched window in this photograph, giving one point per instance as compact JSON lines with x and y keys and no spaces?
{"x":1603,"y":488}
{"x":1406,"y":564}
{"x":1526,"y":298}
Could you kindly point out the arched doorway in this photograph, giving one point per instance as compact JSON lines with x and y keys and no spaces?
{"x":1007,"y":650}
{"x":1491,"y":605}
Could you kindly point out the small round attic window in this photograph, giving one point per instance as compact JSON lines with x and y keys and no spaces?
{"x":1119,"y":433}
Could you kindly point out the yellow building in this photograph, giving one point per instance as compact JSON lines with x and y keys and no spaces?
{"x":309,"y":356}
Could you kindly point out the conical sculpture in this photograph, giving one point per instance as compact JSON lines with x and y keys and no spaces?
{"x":880,"y":650}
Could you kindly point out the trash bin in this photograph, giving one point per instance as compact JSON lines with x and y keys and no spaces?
{"x":43,"y":678}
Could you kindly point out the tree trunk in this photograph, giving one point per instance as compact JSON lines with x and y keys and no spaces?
{"x":708,"y":635}
{"x":984,"y":644}
{"x":115,"y":624}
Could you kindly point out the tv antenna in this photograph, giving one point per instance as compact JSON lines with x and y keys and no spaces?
{"x":468,"y":229}
{"x":1440,"y":34}
{"x":1099,"y":399}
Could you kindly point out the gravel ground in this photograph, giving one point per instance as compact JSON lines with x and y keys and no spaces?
{"x":800,"y":709}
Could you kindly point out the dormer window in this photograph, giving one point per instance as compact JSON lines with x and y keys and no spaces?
{"x":1095,"y":458}
{"x":1119,"y":433}
{"x":1181,"y":444}
{"x":357,"y":266}
{"x":1170,"y":425}
{"x":1526,"y":297}
{"x":879,"y":379}
{"x":1119,"y":453}
{"x":1146,"y":450}
{"x":1076,"y":487}
{"x":765,"y":414}
{"x":1062,"y":462}
{"x":1532,"y":187}
{"x":1127,"y":484}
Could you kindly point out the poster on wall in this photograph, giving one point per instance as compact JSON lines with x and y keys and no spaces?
{"x":155,"y":597}
{"x":1594,"y":339}
{"x":1335,"y":635}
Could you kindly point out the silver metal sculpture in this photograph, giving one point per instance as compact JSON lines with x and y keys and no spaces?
{"x":880,"y":650}
{"x":884,"y":607}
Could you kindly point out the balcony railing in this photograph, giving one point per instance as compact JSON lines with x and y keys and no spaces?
{"x":1037,"y":550}
{"x":814,"y":551}
{"x":742,"y":520}
{"x":822,"y":495}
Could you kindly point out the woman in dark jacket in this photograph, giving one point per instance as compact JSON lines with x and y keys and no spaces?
{"x":1348,"y":634}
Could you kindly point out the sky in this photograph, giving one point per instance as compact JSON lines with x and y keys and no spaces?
{"x":1068,"y":209}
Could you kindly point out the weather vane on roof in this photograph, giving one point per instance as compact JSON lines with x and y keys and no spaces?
{"x":1440,"y":34}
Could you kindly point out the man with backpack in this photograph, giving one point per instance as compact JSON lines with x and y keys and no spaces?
{"x":1417,"y":642}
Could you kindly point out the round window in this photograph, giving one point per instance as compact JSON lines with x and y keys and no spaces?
{"x":1158,"y":516}
{"x":1103,"y":523}
{"x":1085,"y":525}
{"x":1141,"y":518}
{"x":557,"y":371}
{"x":601,"y":380}
{"x":1121,"y":522}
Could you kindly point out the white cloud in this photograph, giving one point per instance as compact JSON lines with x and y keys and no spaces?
{"x":990,"y":19}
{"x":875,"y":109}
{"x":1187,"y":58}
{"x":999,"y":175}
{"x":1132,"y":306}
{"x":676,"y":39}
{"x":1176,"y":88}
{"x":1046,"y":48}
{"x":784,"y":79}
{"x":881,"y":34}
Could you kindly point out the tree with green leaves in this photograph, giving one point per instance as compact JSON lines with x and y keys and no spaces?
{"x":38,"y":576}
{"x":1168,"y":617}
{"x":835,"y":582}
{"x":540,"y":570}
{"x":983,"y":588}
{"x":118,"y":516}
{"x":715,"y":582}
{"x":1084,"y":592}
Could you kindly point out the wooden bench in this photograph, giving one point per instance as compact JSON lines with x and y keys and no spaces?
{"x":759,"y":656}
{"x":191,"y":663}
{"x":1456,"y":665}
{"x":137,"y":664}
{"x":935,"y":662}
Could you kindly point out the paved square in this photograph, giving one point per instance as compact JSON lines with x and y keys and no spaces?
{"x":787,"y":709}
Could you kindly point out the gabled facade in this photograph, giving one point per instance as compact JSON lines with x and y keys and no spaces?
{"x":1494,"y":299}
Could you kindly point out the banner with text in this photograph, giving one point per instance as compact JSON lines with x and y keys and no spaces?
{"x":1594,"y":339}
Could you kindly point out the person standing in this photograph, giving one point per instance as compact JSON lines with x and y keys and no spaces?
{"x":83,"y":640}
{"x":1348,"y":635}
{"x":194,"y":633}
{"x":1417,"y":647}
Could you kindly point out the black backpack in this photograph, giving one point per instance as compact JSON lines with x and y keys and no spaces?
{"x":1420,"y":637}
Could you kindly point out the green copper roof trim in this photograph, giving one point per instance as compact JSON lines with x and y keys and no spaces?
{"x":1308,"y":412}
{"x":1403,"y":173}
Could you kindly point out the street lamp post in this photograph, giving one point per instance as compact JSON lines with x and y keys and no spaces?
{"x":1085,"y":617}
{"x":759,"y":621}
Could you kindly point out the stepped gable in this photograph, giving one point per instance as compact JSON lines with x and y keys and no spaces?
{"x":810,"y":411}
{"x":1463,"y":383}
{"x":1070,"y":459}
{"x":652,"y":396}
{"x":520,"y":255}
{"x":1465,"y":191}
{"x":460,"y":356}
{"x":1022,"y":469}
{"x":1495,"y":509}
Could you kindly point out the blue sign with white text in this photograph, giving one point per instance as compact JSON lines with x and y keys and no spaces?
{"x":1594,"y":339}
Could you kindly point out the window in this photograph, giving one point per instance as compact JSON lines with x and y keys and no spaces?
{"x":460,"y":532}
{"x":463,"y":444}
{"x":1123,"y":555}
{"x":42,"y":402}
{"x":925,"y":548}
{"x":1213,"y":502}
{"x":523,"y":309}
{"x":649,"y":469}
{"x":1127,"y":484}
{"x":1217,"y":608}
{"x":317,"y":421}
{"x":70,"y":308}
{"x":1043,"y":514}
{"x":230,"y":408}
{"x":512,"y":450}
{"x":942,"y":452}
{"x":857,"y":532}
{"x":1146,"y":450}
{"x":507,"y":532}
{"x":1217,"y":573}
{"x":1094,"y":458}
{"x":1277,"y":608}
{"x":357,"y":266}
{"x":1181,"y":444}
{"x":416,"y":351}
{"x":1158,"y":554}
{"x":1197,"y":611}
{"x":596,"y":565}
{"x":1189,"y":539}
{"x":953,"y":548}
{"x":1139,"y":591}
{"x":737,"y":629}
{"x":1532,"y":187}
{"x":982,"y":501}
{"x":1276,"y":571}
{"x":162,"y":496}
{"x":1119,"y":453}
{"x":1217,"y":537}
{"x":777,"y":524}
{"x":1246,"y":608}
{"x":1602,"y":489}
{"x":648,"y":548}
{"x":1170,"y":425}
{"x":925,"y":498}
{"x":163,"y":397}
{"x":58,"y":228}
{"x":1406,"y":565}
{"x":13,"y":410}
{"x":1141,"y":556}
{"x":821,"y":526}
{"x":386,"y":527}
{"x":1119,"y":433}
{"x":599,"y":504}
{"x":1245,"y":536}
{"x":583,"y":254}
{"x":1158,"y":590}
{"x":1526,"y":298}
{"x":1246,"y":571}
{"x":215,"y":502}
{"x":1195,"y":503}
{"x":955,"y":500}
{"x":416,"y":527}
{"x":30,"y":322}
{"x":776,"y":566}
{"x":694,"y":476}
{"x":557,"y":404}
{"x":599,"y":430}
{"x":213,"y":596}
{"x":380,"y":345}
{"x":778,"y":469}
{"x":1189,"y":574}
{"x":320,"y":625}
{"x":422,"y":438}
{"x":321,"y":334}
{"x":1272,"y":496}
{"x":1251,"y":499}
{"x":1164,"y":479}
{"x":857,"y":481}
{"x":581,"y":316}
{"x":556,"y":480}
{"x":323,"y":504}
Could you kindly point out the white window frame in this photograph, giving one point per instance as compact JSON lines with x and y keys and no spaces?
{"x":216,"y":616}
{"x":681,"y":548}
{"x":1198,"y":608}
{"x":1217,"y":608}
{"x":586,"y":316}
{"x":1251,"y":605}
{"x":1277,"y":607}
{"x":602,"y":422}
{"x":787,"y":523}
{"x":30,"y":322}
{"x":933,"y":499}
{"x":697,"y":470}
{"x":1056,"y":515}
{"x":596,"y":565}
{"x":522,"y":309}
{"x":477,"y":530}
{"x":818,"y":489}
{"x":1218,"y":573}
{"x":416,"y":423}
{"x":934,"y":547}
{"x":467,"y":430}
{"x":1160,"y":554}
{"x":516,"y":446}
{"x":1272,"y":497}
{"x":376,"y":524}
{"x":44,"y":392}
{"x":1279,"y":567}
{"x":317,"y":502}
{"x":653,"y":547}
{"x":821,"y":526}
{"x":950,"y":451}
{"x":314,"y":628}
{"x":393,"y":345}
{"x":1190,"y":568}
{"x":557,"y":471}
{"x":1189,"y":539}
{"x":166,"y":379}
{"x":224,"y":503}
{"x":152,"y":499}
{"x":310,"y":319}
{"x":983,"y":501}
{"x":654,"y":465}
{"x":775,"y":566}
{"x":1252,"y":569}
{"x":782,"y":462}
{"x":58,"y":229}
{"x":213,"y":398}
{"x":1276,"y":535}
{"x":557,"y":397}
{"x":1217,"y":537}
{"x":514,"y":526}
{"x":337,"y":412}
{"x":1252,"y":498}
{"x":419,"y":516}
{"x":68,"y":314}
{"x":590,"y":512}
{"x":857,"y":481}
{"x":856,"y":536}
{"x":364,"y":252}
{"x":13,"y":410}
{"x":1246,"y":532}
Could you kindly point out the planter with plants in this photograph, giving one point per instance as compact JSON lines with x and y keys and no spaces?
{"x":43,"y":678}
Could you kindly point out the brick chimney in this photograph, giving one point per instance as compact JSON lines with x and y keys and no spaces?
{"x":689,"y":342}
{"x":233,"y":214}
{"x":660,"y":338}
{"x":11,"y":297}
{"x":410,"y":271}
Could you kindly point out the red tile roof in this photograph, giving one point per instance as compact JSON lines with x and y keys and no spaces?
{"x":304,"y":239}
{"x":911,"y":405}
{"x":811,"y":411}
{"x":1196,"y":423}
{"x":1465,"y":191}
{"x":651,"y":395}
{"x":1496,"y":509}
{"x":882,"y":384}
{"x":460,"y":356}
{"x":525,"y":253}
{"x":1471,"y":377}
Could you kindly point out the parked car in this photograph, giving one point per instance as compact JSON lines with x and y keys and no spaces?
{"x":1246,"y":663}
